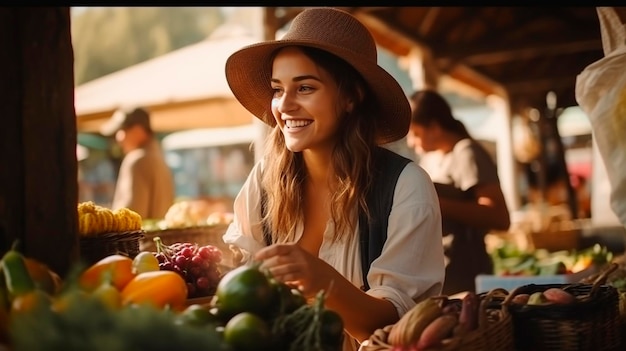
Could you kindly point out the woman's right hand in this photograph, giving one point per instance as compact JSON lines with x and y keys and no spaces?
{"x":291,"y":264}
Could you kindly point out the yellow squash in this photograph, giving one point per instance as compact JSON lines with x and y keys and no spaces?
{"x":159,"y":288}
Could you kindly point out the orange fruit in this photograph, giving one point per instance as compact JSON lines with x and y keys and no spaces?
{"x":44,"y":278}
{"x":30,"y":301}
{"x":117,"y":269}
{"x":159,"y":288}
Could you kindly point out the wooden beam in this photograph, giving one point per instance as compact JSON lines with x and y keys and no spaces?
{"x":401,"y":43}
{"x":495,"y":55}
{"x":531,"y":85}
{"x":429,"y":20}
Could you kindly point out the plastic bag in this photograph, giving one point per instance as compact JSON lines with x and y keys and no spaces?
{"x":601,"y":94}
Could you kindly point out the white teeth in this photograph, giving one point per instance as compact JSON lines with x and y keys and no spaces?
{"x":290,"y":123}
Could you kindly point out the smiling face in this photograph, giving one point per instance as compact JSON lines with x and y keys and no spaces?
{"x":306,"y":103}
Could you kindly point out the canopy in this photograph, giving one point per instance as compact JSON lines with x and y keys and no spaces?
{"x":183,"y":89}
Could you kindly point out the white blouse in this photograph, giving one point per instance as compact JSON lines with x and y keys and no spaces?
{"x":411,"y":265}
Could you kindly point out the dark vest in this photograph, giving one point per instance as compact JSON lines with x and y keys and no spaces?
{"x":373,"y":234}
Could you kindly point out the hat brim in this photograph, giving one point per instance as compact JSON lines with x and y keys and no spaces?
{"x":248,"y":72}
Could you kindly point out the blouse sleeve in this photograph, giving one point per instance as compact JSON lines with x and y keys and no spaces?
{"x":411,"y":266}
{"x":246,"y":230}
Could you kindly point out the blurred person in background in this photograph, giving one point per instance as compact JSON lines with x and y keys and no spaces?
{"x":145,"y":183}
{"x":466,"y":179}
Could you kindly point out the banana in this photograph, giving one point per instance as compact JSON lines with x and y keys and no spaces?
{"x":91,"y":224}
{"x":106,"y":220}
{"x":122,"y":221}
{"x":130,"y":219}
{"x":86,"y":207}
{"x":94,"y":219}
{"x":410,"y":327}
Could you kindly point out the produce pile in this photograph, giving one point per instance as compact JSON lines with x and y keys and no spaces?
{"x":436,"y":323}
{"x":188,"y":214}
{"x":510,"y":260}
{"x":121,"y":304}
{"x":198,"y":265}
{"x":550,"y":296}
{"x":256,"y":312}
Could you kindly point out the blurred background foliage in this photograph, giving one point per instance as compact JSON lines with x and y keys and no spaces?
{"x":108,"y":39}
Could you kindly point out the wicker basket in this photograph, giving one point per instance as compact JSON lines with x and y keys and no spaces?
{"x":202,"y":235}
{"x":494,"y":332}
{"x":591,"y":323}
{"x":94,"y":248}
{"x":617,"y":267}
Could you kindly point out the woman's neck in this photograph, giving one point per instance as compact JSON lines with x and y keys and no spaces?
{"x":318,"y":167}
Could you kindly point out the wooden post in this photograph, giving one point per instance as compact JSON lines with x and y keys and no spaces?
{"x":38,"y":166}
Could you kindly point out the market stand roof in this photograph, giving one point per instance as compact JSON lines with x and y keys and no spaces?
{"x":522,"y":52}
{"x":183,"y":89}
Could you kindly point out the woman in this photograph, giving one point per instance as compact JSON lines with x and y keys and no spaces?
{"x":467,"y":183}
{"x":330,"y":105}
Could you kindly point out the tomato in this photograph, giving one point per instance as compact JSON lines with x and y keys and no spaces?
{"x":248,"y":332}
{"x":331,"y":328}
{"x":197,"y":315}
{"x":244,"y":289}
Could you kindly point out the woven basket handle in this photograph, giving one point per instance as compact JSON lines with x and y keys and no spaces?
{"x":601,"y":279}
{"x":511,"y":295}
{"x":497,"y":292}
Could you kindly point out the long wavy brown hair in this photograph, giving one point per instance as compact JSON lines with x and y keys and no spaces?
{"x":284,"y":174}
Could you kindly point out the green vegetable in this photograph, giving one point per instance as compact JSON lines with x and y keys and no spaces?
{"x":311,"y":327}
{"x":18,"y":280}
{"x":89,"y":325}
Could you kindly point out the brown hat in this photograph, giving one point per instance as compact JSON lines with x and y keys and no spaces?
{"x":122,"y":119}
{"x":248,"y":70}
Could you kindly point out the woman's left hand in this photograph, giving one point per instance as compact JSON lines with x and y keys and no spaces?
{"x":293,"y":265}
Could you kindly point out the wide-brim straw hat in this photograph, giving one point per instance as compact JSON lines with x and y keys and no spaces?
{"x":248,"y":70}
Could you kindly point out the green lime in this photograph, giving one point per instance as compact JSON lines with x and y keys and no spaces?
{"x":248,"y":332}
{"x":286,"y":298}
{"x":199,"y":315}
{"x":244,"y":289}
